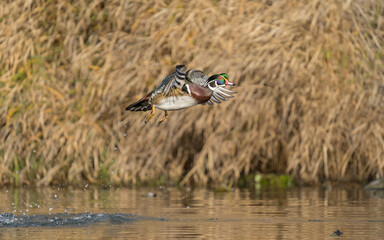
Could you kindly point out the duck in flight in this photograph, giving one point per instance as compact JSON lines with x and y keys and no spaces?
{"x":183,"y":89}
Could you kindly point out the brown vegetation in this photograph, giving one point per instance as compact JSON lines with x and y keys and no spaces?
{"x":310,"y":101}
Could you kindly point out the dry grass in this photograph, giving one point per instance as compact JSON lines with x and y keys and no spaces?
{"x":310,"y":101}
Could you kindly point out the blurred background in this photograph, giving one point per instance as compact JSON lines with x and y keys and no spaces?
{"x":310,"y":101}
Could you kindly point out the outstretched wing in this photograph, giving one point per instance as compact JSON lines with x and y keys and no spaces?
{"x":220,"y":94}
{"x":173,"y":81}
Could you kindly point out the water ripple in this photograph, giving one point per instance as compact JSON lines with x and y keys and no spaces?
{"x":68,"y":219}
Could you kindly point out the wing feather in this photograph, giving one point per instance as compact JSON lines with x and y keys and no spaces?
{"x":220,"y":93}
{"x":175,"y":80}
{"x":226,"y":90}
{"x":217,"y":95}
{"x":214,"y":99}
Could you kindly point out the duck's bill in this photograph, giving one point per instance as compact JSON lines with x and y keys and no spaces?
{"x":228,"y":83}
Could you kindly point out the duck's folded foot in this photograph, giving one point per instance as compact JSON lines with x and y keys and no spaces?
{"x":150,"y":115}
{"x":163,"y":119}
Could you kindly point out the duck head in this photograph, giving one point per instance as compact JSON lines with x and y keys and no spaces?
{"x":219,"y":80}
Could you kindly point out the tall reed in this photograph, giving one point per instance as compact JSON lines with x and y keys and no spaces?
{"x":310,"y":100}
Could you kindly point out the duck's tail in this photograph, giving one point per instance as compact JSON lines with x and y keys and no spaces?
{"x":143,"y":104}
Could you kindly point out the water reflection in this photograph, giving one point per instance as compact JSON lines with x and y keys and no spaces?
{"x":165,"y":212}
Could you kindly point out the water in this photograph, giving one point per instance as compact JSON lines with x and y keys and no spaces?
{"x":166,"y":213}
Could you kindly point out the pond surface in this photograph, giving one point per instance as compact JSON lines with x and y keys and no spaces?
{"x":166,"y":213}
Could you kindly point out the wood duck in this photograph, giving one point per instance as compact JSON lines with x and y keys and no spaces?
{"x":183,"y":89}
